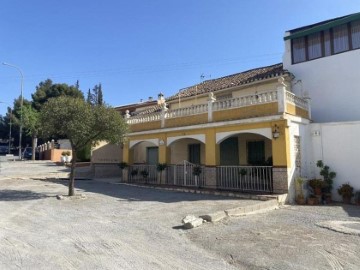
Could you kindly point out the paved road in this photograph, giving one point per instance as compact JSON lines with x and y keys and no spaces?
{"x":125,"y":227}
{"x":116,"y":227}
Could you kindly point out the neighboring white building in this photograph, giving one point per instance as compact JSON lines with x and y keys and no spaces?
{"x":324,"y":58}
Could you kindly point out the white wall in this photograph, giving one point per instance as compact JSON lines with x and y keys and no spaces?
{"x":333,"y":84}
{"x":337,"y":145}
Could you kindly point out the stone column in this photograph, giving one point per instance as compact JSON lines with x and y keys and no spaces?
{"x":280,"y":180}
{"x":211,"y":100}
{"x":210,"y":177}
{"x":281,"y":95}
{"x":281,"y":157}
{"x":126,"y":158}
{"x":211,"y":158}
{"x":164,"y":157}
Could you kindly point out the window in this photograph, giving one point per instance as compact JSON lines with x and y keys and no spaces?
{"x":328,"y":42}
{"x":355,"y":34}
{"x":341,"y":39}
{"x":194,"y":153}
{"x":314,"y":46}
{"x":298,"y":49}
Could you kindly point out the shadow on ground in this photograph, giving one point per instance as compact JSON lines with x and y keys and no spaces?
{"x":134,"y":193}
{"x":20,"y":195}
{"x":351,"y":210}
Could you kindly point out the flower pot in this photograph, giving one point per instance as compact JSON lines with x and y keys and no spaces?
{"x":68,"y":159}
{"x":63,"y":159}
{"x":312,"y":201}
{"x":317,"y":191}
{"x":300,"y":200}
{"x":328,"y":198}
{"x":346,"y":199}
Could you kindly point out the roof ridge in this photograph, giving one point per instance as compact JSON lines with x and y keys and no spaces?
{"x":235,"y":79}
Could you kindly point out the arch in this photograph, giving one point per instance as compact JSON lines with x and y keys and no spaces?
{"x":199,"y":137}
{"x":135,"y":142}
{"x":221,"y":136}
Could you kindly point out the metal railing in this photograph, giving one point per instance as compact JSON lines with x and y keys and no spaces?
{"x":143,"y":173}
{"x":182,"y":175}
{"x":245,"y":178}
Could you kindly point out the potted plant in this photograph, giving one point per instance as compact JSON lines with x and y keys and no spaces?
{"x":144,"y":174}
{"x":133,"y":173}
{"x":312,"y":200}
{"x":346,"y":191}
{"x":122,"y":166}
{"x":316,"y":185}
{"x":328,"y":180}
{"x":242,"y":173}
{"x":357,"y":197}
{"x":300,"y":198}
{"x":196,"y":172}
{"x":63,"y":156}
{"x":68,"y":157}
{"x":160,"y":168}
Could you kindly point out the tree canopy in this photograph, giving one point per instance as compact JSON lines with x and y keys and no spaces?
{"x":82,"y":124}
{"x":46,"y":90}
{"x":95,"y":97}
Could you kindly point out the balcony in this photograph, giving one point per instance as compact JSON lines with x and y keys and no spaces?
{"x":256,"y":105}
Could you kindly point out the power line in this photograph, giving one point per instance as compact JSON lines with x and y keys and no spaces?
{"x":154,"y":68}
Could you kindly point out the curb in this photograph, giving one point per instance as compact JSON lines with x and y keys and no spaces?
{"x":242,"y":211}
{"x":280,"y":198}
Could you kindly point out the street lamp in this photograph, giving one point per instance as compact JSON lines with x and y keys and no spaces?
{"x":21,"y":103}
{"x":9,"y":150}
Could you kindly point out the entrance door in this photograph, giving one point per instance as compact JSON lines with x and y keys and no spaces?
{"x":229,"y":152}
{"x":256,"y":152}
{"x":152,"y":155}
{"x":194,"y":153}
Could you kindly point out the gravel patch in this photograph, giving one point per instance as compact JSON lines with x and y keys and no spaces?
{"x":288,"y":238}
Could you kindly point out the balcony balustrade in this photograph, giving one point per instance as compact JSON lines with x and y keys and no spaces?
{"x":258,"y":104}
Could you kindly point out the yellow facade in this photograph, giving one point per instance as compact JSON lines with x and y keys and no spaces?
{"x":280,"y":146}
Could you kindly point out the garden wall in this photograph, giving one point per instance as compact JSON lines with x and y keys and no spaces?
{"x":338,"y":145}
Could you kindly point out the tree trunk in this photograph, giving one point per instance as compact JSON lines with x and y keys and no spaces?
{"x":72,"y":173}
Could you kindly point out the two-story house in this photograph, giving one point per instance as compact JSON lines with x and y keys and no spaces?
{"x":255,"y":130}
{"x":242,"y":129}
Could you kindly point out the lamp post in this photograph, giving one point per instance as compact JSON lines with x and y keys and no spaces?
{"x":21,"y":102}
{"x":9,"y":150}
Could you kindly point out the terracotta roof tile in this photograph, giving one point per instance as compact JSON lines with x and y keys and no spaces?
{"x":237,"y":79}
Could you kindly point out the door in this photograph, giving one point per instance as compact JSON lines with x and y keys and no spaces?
{"x":152,"y":154}
{"x":194,"y":153}
{"x":229,"y":152}
{"x":256,"y":152}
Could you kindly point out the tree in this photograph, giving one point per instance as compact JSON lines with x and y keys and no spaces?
{"x":31,"y":125}
{"x":95,"y":97}
{"x":46,"y":90}
{"x":82,"y":124}
{"x":16,"y":117}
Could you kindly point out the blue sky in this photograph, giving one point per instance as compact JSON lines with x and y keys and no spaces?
{"x":139,"y":48}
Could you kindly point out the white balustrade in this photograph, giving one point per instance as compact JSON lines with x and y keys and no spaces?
{"x":297,"y":101}
{"x":243,"y":101}
{"x":181,"y":112}
{"x":237,"y":102}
